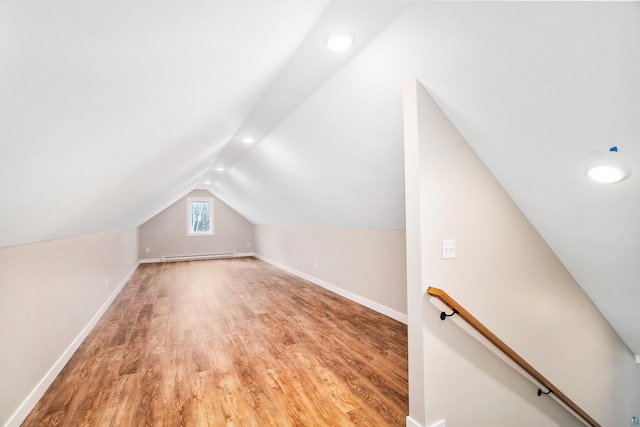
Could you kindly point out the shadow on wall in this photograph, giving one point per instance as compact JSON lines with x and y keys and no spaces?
{"x":478,"y":384}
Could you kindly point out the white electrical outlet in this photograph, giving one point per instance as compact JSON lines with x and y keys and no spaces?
{"x":147,"y":250}
{"x":315,"y":264}
{"x":248,"y":245}
{"x":448,"y":249}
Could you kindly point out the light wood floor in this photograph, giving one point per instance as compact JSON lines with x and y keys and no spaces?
{"x":231,"y":343}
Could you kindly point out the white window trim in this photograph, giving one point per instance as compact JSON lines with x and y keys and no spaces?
{"x":200,"y":199}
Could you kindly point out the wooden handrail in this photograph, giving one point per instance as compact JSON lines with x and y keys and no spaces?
{"x":478,"y":326}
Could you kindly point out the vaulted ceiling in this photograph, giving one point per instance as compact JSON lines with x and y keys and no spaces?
{"x":111,"y":111}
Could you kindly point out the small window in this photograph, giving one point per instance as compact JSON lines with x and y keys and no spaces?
{"x":199,"y":216}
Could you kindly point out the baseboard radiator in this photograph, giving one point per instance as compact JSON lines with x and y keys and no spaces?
{"x":197,"y":257}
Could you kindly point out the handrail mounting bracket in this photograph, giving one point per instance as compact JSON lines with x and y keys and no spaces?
{"x":443,"y":315}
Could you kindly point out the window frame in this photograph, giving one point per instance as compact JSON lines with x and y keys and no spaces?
{"x":210,"y":232}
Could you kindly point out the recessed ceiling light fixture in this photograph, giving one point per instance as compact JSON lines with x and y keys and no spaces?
{"x":608,"y":172}
{"x":248,"y":140}
{"x":339,"y":42}
{"x":207,"y":183}
{"x":220,"y":169}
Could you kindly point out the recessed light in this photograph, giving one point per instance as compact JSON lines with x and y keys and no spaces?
{"x":220,"y":169}
{"x":608,"y":172}
{"x":339,"y":42}
{"x":248,"y":140}
{"x":207,"y":183}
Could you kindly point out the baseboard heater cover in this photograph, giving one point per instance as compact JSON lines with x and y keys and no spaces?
{"x":197,"y":257}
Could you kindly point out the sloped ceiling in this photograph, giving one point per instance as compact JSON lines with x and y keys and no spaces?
{"x":109,"y":109}
{"x":110,"y":112}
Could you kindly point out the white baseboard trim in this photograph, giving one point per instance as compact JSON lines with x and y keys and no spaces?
{"x":245,"y":254}
{"x":400,"y":317}
{"x":150,"y":260}
{"x":412,"y":423}
{"x":32,"y":399}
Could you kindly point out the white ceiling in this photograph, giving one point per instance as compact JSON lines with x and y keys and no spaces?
{"x":111,"y":111}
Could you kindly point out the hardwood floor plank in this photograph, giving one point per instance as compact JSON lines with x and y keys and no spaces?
{"x":232,"y":343}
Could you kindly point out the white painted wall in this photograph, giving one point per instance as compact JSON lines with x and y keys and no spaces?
{"x":166,"y":233}
{"x":51,"y":294}
{"x":506,"y":276}
{"x":368,"y":263}
{"x":414,"y":153}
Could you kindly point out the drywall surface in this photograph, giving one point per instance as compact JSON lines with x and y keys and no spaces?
{"x":413,"y":187}
{"x":166,"y":233}
{"x":49,"y":293}
{"x":369,"y":263}
{"x":505,"y":275}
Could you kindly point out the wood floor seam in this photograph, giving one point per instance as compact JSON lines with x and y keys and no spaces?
{"x":231,"y":342}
